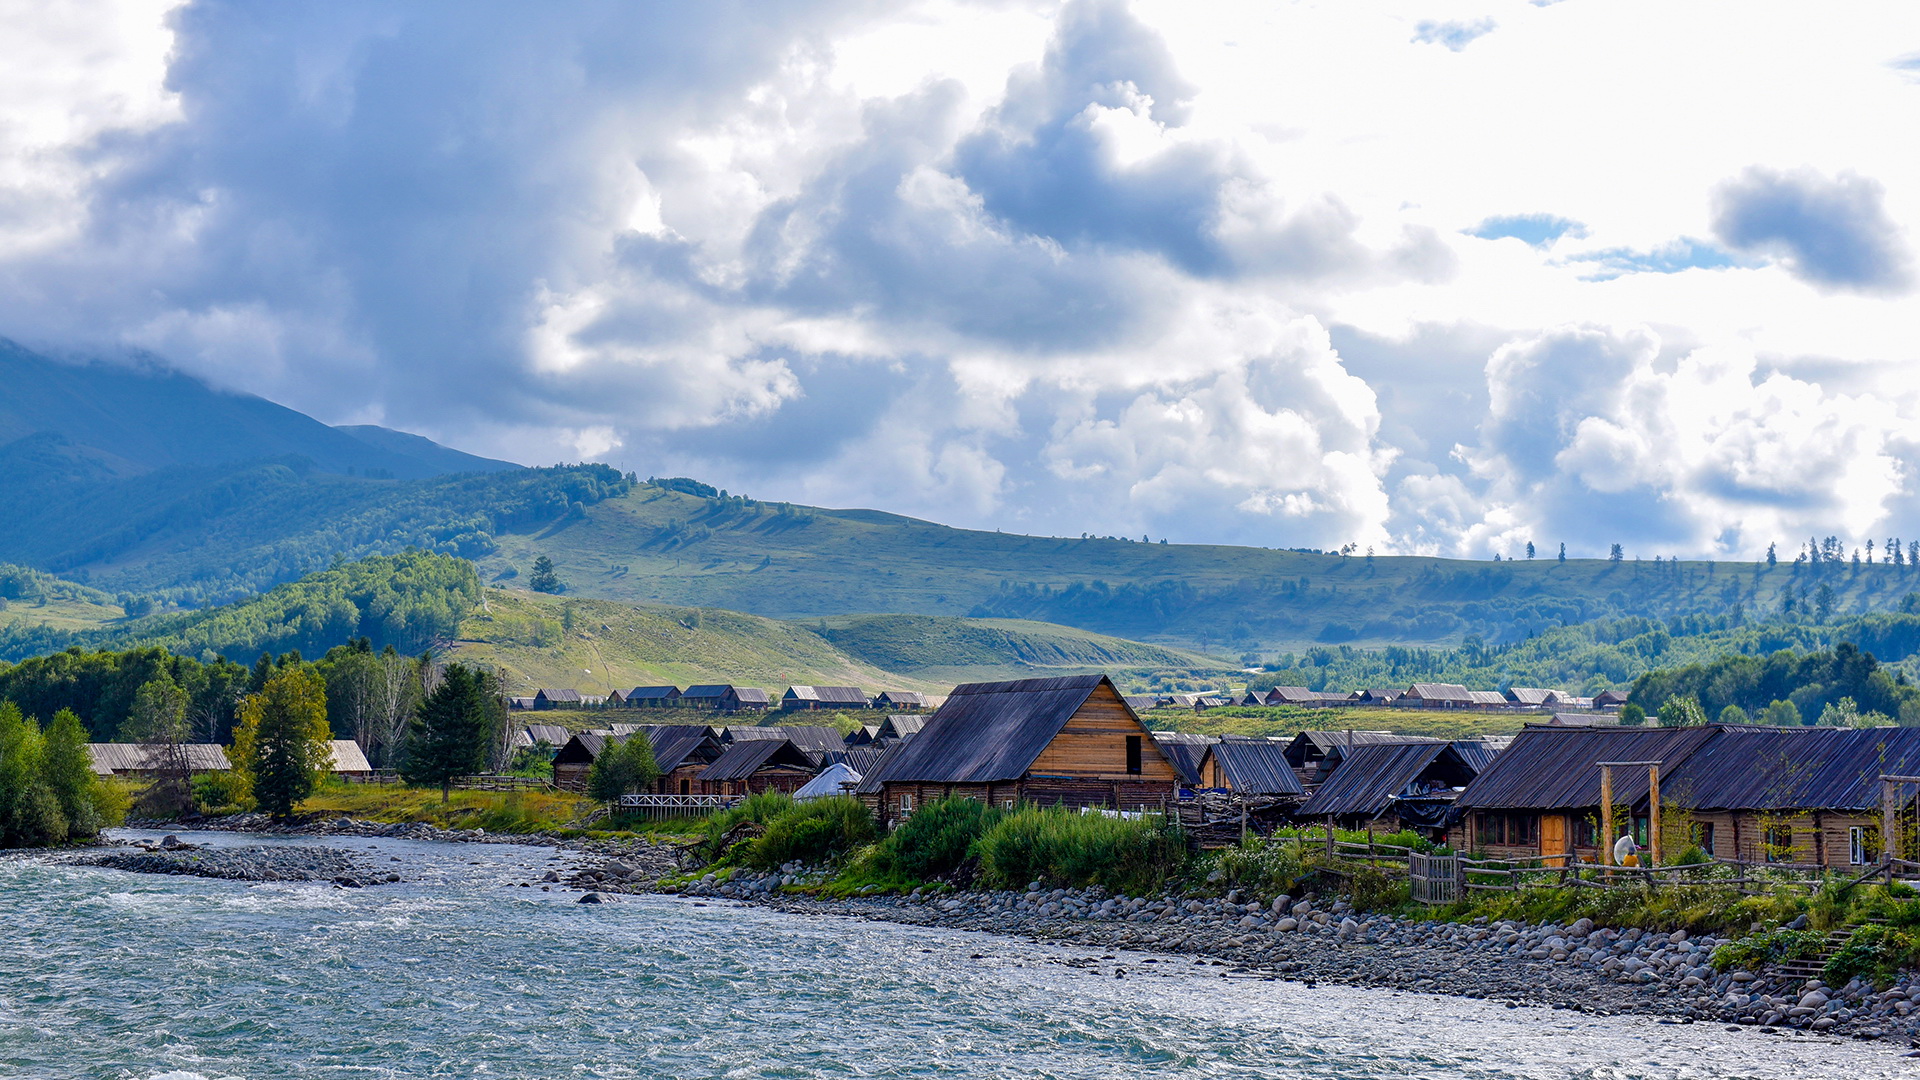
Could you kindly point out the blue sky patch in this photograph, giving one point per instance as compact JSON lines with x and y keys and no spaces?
{"x":1539,"y":230}
{"x":1455,"y":34}
{"x":1685,"y":253}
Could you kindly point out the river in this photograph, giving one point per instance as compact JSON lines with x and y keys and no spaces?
{"x":457,"y":972}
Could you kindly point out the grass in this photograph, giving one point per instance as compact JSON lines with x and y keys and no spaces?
{"x":494,"y":811}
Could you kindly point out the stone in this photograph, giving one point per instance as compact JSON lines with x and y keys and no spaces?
{"x":591,"y":898}
{"x":1287,"y":924}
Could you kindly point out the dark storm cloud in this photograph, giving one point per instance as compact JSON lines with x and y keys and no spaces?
{"x":1833,"y":233}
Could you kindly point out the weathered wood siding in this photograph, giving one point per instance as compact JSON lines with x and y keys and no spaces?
{"x":1093,"y":745}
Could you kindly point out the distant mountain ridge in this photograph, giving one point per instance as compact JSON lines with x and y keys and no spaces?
{"x":97,"y":420}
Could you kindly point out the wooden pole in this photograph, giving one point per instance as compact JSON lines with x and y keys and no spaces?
{"x":1889,"y":819}
{"x":1653,"y":812}
{"x":1606,"y":815}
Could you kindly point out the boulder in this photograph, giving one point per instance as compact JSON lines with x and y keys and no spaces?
{"x":591,"y":898}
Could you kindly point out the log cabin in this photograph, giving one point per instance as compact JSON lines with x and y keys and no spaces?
{"x":1248,"y":766}
{"x":1394,"y":785}
{"x":751,"y":766}
{"x":1068,"y":741}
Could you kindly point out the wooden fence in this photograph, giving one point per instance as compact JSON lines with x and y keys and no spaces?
{"x":1445,"y":879}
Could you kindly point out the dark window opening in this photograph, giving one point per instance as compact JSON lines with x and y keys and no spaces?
{"x":1133,"y":754}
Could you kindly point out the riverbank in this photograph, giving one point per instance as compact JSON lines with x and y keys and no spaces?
{"x":1309,"y":940}
{"x":1580,"y":967}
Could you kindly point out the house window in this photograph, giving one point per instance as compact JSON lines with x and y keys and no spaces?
{"x":1779,"y":843}
{"x":686,"y":785}
{"x":1133,"y":755}
{"x":1586,"y":832}
{"x":1703,"y":836}
{"x":906,"y":802}
{"x":1857,"y":845}
{"x":1509,"y":829}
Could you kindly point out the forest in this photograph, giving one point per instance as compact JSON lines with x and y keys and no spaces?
{"x":407,"y":601}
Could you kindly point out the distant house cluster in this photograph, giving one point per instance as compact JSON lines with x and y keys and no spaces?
{"x":725,"y":698}
{"x":1416,"y":696}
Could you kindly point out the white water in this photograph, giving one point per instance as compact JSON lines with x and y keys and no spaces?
{"x":459,"y":973}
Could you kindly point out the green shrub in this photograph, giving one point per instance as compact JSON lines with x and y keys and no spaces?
{"x":1266,"y":867}
{"x":37,"y":818}
{"x":1061,"y":847}
{"x":816,"y":833}
{"x":1875,"y":952}
{"x":1757,"y":950}
{"x":938,"y":839}
{"x":221,"y":791}
{"x":761,"y":809}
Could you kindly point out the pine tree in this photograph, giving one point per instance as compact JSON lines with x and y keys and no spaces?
{"x":1563,"y":551}
{"x":544,"y":579}
{"x":1616,"y":553}
{"x":451,"y":731}
{"x":284,"y":738}
{"x":1773,"y":556}
{"x":1529,"y":549}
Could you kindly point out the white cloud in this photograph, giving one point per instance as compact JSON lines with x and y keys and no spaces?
{"x":1058,"y":266}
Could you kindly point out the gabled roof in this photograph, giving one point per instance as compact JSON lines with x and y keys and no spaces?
{"x":1549,"y":768}
{"x":653,"y":693}
{"x":1532,"y":695}
{"x":901,"y":726}
{"x":1610,"y":697}
{"x":146,"y":757}
{"x":707,"y":691}
{"x":990,"y":732}
{"x":861,"y":758}
{"x":558,"y":694}
{"x":1140,"y":703}
{"x":1293,"y":695}
{"x":1746,"y":768}
{"x":1379,"y":694}
{"x":675,"y":747}
{"x":1256,"y":766}
{"x":1371,"y":777}
{"x":911,"y":698}
{"x":1434,"y":691}
{"x":585,"y":748}
{"x":751,"y":695}
{"x":743,"y":759}
{"x":755,"y":732}
{"x":828,"y":695}
{"x":1487,"y":697}
{"x":815,"y":738}
{"x":551,"y":734}
{"x":347,"y":757}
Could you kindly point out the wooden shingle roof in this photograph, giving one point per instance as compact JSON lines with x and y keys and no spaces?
{"x":989,"y":732}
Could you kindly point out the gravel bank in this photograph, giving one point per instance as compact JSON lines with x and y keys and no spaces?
{"x":343,"y":868}
{"x":1579,"y":967}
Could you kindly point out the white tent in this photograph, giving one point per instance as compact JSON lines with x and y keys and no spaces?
{"x":837,"y":779}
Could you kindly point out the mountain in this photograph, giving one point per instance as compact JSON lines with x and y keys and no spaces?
{"x":96,"y":420}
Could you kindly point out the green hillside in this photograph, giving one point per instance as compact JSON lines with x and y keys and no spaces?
{"x":595,"y":645}
{"x":654,"y":544}
{"x":30,"y":598}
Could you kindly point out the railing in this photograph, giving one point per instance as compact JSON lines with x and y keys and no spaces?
{"x":1435,"y":879}
{"x":673,"y":806}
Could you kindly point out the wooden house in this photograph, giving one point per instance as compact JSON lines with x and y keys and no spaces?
{"x":1609,"y":699}
{"x":345,"y":758}
{"x":1436,"y":696}
{"x":651,"y":697}
{"x":682,"y":752}
{"x":1140,"y":703}
{"x":1805,"y":796}
{"x":864,"y":735}
{"x":1069,"y":741}
{"x":1541,"y":796}
{"x":1307,"y":750}
{"x":1394,"y":785}
{"x":1532,"y":697}
{"x":555,"y":698}
{"x":1294,"y":695}
{"x":573,"y":760}
{"x":747,"y":699}
{"x":707,"y":696}
{"x":520,"y":703}
{"x":906,"y":700}
{"x":751,"y":766}
{"x":1376,"y":696}
{"x":824,"y":697}
{"x":1488,"y":699}
{"x":1247,"y":766}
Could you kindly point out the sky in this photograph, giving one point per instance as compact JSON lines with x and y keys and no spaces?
{"x":1420,"y":277}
